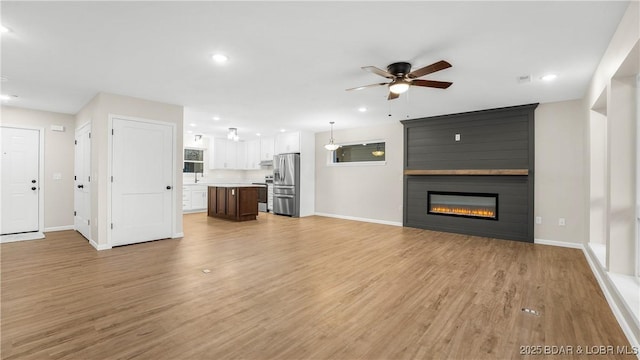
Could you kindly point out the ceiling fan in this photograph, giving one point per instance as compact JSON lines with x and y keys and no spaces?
{"x":402,"y":77}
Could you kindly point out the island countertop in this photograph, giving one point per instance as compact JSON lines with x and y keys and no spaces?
{"x":234,"y":185}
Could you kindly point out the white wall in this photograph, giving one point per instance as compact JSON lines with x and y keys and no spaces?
{"x":97,"y":112}
{"x":58,"y":158}
{"x":366,"y":192}
{"x":614,"y":77}
{"x":559,"y":171}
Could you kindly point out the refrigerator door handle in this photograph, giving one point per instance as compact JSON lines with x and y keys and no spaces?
{"x":281,"y":165}
{"x":284,"y":175}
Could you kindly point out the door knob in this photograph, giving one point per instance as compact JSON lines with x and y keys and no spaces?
{"x":33,"y":188}
{"x":80,"y":186}
{"x":169,"y":187}
{"x":33,"y":181}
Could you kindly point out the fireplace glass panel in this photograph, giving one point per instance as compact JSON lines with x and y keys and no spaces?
{"x":474,"y":205}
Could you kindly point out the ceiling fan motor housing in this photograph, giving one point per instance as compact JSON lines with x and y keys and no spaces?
{"x":399,"y":68}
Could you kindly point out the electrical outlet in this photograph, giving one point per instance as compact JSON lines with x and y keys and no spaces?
{"x":561,"y":222}
{"x":538,"y":220}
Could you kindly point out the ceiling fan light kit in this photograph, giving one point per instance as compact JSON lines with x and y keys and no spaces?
{"x":399,"y":86}
{"x":402,"y":77}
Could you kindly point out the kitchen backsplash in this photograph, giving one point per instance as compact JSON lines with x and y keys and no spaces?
{"x":228,"y":176}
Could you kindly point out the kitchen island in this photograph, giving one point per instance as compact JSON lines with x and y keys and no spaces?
{"x":237,"y":202}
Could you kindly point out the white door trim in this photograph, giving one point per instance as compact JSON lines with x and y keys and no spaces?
{"x":80,"y":129}
{"x":39,"y":234}
{"x":110,"y":172}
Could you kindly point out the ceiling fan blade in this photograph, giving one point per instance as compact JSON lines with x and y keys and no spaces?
{"x":378,"y":71}
{"x":367,"y":86}
{"x":431,"y":83}
{"x":393,"y":96}
{"x":437,"y":66}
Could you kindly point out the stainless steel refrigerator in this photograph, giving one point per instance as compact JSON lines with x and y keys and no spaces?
{"x":286,"y":184}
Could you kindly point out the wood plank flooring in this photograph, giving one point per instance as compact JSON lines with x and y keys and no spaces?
{"x":309,"y":288}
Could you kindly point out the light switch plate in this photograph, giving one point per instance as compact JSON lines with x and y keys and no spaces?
{"x":57,"y":176}
{"x":457,"y":137}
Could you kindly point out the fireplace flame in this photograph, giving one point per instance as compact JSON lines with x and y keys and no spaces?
{"x":463,"y":211}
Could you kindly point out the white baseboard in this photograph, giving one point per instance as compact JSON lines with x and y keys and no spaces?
{"x":613,"y":298}
{"x":177,"y":235}
{"x":559,"y":243}
{"x":99,"y":247}
{"x":344,"y":217}
{"x":21,"y":237}
{"x":59,"y":228}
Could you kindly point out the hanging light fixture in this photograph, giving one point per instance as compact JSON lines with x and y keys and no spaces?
{"x":377,"y":151}
{"x":331,"y":146}
{"x":233,"y":134}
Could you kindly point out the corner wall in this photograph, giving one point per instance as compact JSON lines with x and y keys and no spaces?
{"x":361,"y":192}
{"x":58,"y":159}
{"x":560,"y":165}
{"x":97,"y":112}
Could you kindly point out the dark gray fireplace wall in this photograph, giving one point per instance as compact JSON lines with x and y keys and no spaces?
{"x":494,"y":139}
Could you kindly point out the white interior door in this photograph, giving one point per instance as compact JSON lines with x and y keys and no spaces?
{"x":82,"y":182}
{"x":142,"y":188}
{"x":20,"y":180}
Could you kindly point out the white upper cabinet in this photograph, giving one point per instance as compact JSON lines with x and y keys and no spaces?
{"x":288,"y":142}
{"x":241,"y":155}
{"x":267,"y":149}
{"x":218,"y":154}
{"x":232,"y":155}
{"x":253,"y":155}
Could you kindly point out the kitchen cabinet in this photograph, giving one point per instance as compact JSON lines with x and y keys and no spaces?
{"x":233,"y":202}
{"x":194,"y":198}
{"x":288,"y":142}
{"x":267,"y":148}
{"x":223,"y":154}
{"x":231,"y":154}
{"x":198,"y":197}
{"x":253,"y":155}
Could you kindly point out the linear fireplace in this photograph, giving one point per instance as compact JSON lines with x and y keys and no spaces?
{"x":473,"y":205}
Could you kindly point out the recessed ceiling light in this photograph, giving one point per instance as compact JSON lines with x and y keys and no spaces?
{"x":282,"y":130}
{"x":216,"y":118}
{"x":193,"y":124}
{"x":220,"y":58}
{"x":3,"y":29}
{"x":549,"y":77}
{"x":362,"y":109}
{"x":258,"y":134}
{"x":7,"y":97}
{"x":189,"y":131}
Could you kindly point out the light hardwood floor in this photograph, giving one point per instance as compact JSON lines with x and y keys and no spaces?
{"x":310,"y":288}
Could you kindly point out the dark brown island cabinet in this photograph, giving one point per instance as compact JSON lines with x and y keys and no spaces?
{"x":233,"y":202}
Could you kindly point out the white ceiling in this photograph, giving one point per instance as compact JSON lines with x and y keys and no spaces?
{"x":291,"y":61}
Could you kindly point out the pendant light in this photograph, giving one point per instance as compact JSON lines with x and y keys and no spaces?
{"x":233,"y":134}
{"x":377,"y":151}
{"x":331,"y":146}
